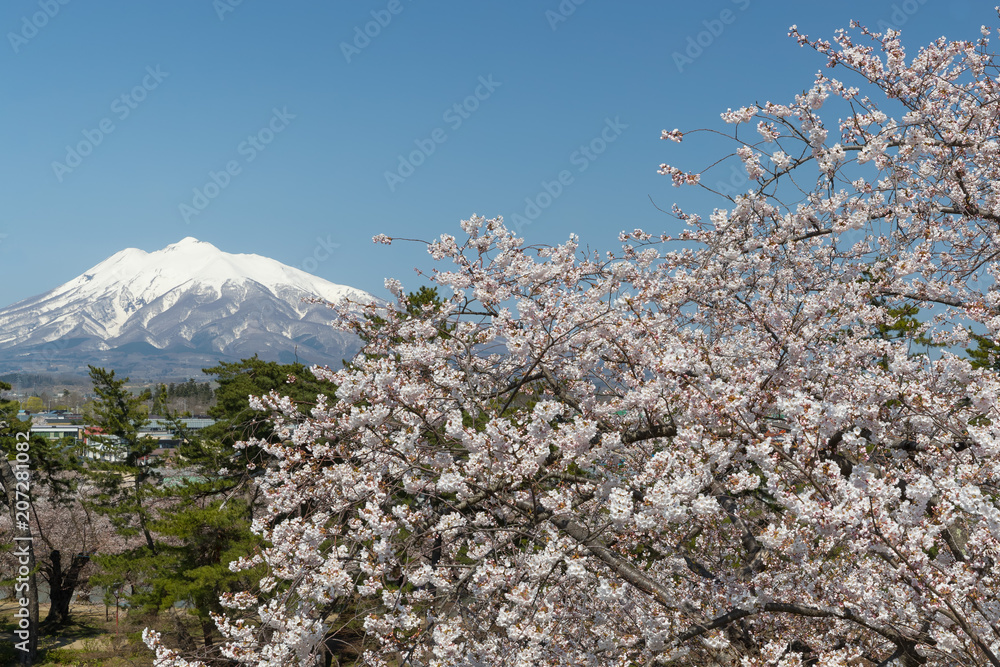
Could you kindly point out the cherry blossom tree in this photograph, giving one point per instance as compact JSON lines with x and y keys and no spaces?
{"x":703,"y":449}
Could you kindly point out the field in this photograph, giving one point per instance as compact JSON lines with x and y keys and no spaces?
{"x":90,"y":640}
{"x":93,"y":639}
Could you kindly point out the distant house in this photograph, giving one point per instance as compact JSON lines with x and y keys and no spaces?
{"x":58,"y":432}
{"x":100,"y":446}
{"x":190,"y":423}
{"x":166,"y":449}
{"x":97,"y":445}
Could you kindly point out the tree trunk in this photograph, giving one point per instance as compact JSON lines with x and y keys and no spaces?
{"x":207,"y":627}
{"x":61,"y":588}
{"x":184,"y":638}
{"x":139,"y":478}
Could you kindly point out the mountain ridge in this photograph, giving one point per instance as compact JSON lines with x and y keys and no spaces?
{"x":189,"y":301}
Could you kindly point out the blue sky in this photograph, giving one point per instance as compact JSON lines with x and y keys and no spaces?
{"x":278,"y":128}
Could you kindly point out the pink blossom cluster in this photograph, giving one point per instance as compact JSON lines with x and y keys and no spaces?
{"x":703,"y":449}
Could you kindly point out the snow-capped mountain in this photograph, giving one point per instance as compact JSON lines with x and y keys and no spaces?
{"x":178,"y":309}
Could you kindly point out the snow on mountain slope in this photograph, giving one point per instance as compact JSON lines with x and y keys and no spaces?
{"x":187,"y":296}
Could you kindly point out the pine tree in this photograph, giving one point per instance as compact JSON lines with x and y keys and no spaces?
{"x":986,"y":353}
{"x":211,"y":509}
{"x":121,"y":469}
{"x":237,"y":421}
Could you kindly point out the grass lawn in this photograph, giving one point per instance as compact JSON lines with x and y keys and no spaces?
{"x":88,"y":641}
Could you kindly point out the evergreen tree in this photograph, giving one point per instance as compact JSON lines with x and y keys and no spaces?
{"x":121,"y":470}
{"x":986,"y":353}
{"x":159,"y":405}
{"x":236,"y":421}
{"x":211,"y":508}
{"x":202,"y":533}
